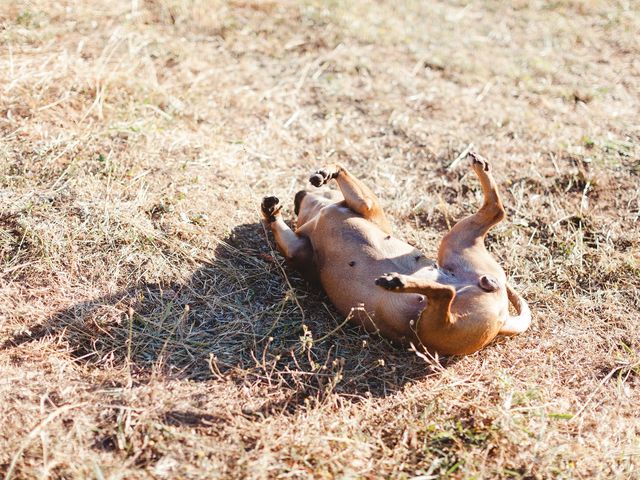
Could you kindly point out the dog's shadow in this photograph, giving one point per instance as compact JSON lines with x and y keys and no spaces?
{"x":243,"y":315}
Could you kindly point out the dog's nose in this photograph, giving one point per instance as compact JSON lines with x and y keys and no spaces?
{"x":488,"y":284}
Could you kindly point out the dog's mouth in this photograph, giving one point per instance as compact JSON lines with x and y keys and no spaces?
{"x":488,"y":284}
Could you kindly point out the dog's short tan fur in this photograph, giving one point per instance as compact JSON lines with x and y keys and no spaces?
{"x":344,"y":240}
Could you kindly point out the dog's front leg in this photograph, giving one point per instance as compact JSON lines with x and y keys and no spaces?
{"x":357,"y":195}
{"x":296,"y":249}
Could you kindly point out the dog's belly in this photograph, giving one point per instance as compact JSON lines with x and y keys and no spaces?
{"x":351,"y":253}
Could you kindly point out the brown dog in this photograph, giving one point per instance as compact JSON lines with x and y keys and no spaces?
{"x":344,"y":241}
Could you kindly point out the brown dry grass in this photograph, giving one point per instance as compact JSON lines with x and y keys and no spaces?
{"x":148,"y":330}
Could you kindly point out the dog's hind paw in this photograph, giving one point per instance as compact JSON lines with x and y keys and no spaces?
{"x":390,"y":281}
{"x":321,"y":177}
{"x":270,"y":208}
{"x":478,"y":160}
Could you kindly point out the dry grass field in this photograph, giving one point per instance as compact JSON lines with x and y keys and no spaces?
{"x":148,"y":329}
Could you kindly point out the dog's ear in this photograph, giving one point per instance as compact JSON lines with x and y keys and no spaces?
{"x":298,"y":201}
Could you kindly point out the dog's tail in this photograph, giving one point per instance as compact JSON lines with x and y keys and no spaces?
{"x":521,"y":322}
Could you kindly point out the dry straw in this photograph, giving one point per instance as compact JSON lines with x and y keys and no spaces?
{"x":149,"y":329}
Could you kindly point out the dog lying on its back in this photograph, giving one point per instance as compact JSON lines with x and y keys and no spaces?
{"x":456,"y":306}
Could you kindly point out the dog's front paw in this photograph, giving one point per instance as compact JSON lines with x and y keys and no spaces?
{"x":390,"y":281}
{"x":321,"y":177}
{"x":270,"y":208}
{"x":477,"y":160}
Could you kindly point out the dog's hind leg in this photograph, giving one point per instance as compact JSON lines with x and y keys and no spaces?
{"x":357,"y":196}
{"x":466,"y":238}
{"x":296,"y":249}
{"x":439,"y":296}
{"x":438,"y":327}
